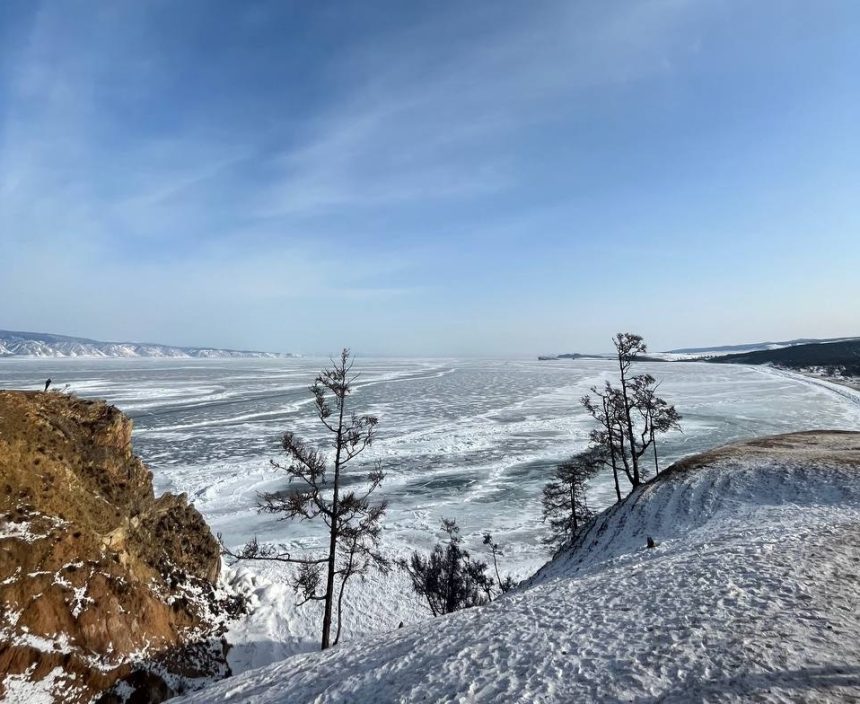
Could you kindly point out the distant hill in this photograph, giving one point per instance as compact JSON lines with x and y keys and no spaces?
{"x":571,"y":355}
{"x":39,"y":344}
{"x":810,"y":354}
{"x":577,"y":355}
{"x":756,"y":346}
{"x":841,"y":356}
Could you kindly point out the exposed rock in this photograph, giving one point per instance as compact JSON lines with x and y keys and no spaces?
{"x":102,"y":586}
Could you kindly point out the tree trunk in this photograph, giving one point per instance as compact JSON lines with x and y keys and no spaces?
{"x":635,"y":480}
{"x":654,"y":443}
{"x":332,"y":545}
{"x":614,"y":465}
{"x":622,"y":451}
{"x":343,"y":579}
{"x":615,"y":476}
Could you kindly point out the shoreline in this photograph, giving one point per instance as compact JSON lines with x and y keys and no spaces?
{"x":841,"y":381}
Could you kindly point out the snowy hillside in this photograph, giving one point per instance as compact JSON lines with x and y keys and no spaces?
{"x":37,"y":344}
{"x":752,"y":347}
{"x":750,"y":594}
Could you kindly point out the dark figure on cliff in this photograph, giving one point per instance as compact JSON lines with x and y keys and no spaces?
{"x":47,"y":384}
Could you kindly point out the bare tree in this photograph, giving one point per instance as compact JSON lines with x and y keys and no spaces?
{"x":507,"y":583}
{"x":610,"y":432}
{"x":448,"y":578}
{"x":351,"y":520}
{"x":628,"y":347}
{"x":631,"y":415}
{"x":658,"y":416}
{"x":565,"y":507}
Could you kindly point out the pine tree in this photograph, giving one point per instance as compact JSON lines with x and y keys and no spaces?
{"x":448,"y":578}
{"x":351,"y":521}
{"x":565,"y":506}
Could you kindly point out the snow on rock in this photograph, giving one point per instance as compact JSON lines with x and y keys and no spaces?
{"x":100,"y":580}
{"x":749,"y":594}
{"x":22,"y":689}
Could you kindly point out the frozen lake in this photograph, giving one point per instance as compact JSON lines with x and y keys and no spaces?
{"x":464,"y":438}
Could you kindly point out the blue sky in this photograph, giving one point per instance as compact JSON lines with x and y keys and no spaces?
{"x":430,"y":177}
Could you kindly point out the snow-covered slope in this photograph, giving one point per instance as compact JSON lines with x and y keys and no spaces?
{"x":38,"y":344}
{"x":750,"y":595}
{"x":753,"y":347}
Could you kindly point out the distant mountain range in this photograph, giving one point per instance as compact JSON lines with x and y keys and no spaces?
{"x":577,"y":355}
{"x":839,"y":355}
{"x":39,"y":344}
{"x":842,"y":356}
{"x":757,"y":346}
{"x":571,"y":355}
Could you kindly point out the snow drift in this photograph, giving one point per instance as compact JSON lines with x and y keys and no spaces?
{"x":750,"y":593}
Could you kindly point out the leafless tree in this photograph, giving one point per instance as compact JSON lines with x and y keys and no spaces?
{"x":605,"y":407}
{"x":352,"y":522}
{"x":657,"y":414}
{"x":628,"y":347}
{"x":631,"y":415}
{"x":496,"y":551}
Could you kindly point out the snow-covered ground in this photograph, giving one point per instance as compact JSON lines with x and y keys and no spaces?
{"x":750,"y":595}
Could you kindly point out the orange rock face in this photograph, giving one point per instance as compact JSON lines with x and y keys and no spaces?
{"x":104,"y":589}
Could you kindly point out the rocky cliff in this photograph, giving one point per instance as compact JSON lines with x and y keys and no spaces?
{"x":107,"y":592}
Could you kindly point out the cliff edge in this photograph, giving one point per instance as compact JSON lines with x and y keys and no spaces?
{"x":107,"y":592}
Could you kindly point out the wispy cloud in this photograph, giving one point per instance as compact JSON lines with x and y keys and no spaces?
{"x":416,"y":119}
{"x":432,"y":165}
{"x":428,"y":113}
{"x":419,"y":117}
